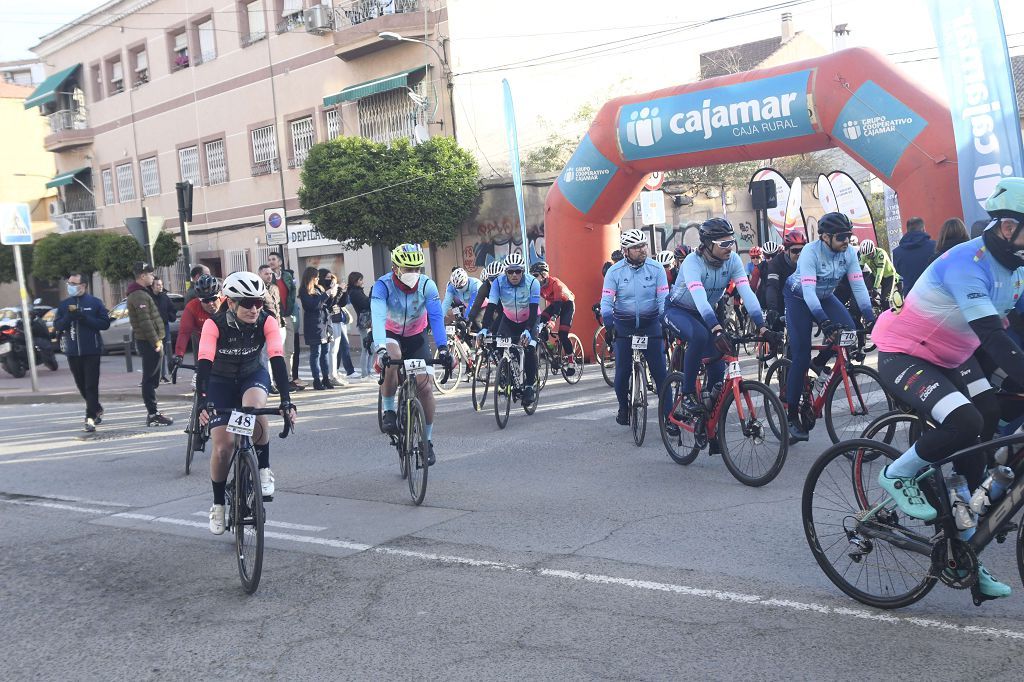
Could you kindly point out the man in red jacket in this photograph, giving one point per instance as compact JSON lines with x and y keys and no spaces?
{"x":197,"y":311}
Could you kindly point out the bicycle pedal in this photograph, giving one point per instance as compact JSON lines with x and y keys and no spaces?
{"x":268,"y":498}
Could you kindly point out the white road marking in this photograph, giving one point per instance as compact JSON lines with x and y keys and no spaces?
{"x":279,"y":524}
{"x":575,"y":576}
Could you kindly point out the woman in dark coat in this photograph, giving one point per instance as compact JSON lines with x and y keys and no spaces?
{"x":316,"y":325}
{"x":361,"y":304}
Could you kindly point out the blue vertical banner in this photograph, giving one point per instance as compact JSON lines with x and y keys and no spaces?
{"x":513,"y":157}
{"x":976,"y":65}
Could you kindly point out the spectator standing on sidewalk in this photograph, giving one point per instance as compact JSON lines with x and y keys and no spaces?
{"x":79,"y":320}
{"x":148,"y":330}
{"x":315,"y":293}
{"x":193,"y":276}
{"x":284,"y":280}
{"x":953,"y":232}
{"x":169,"y":315}
{"x":913,"y":254}
{"x":272,"y":303}
{"x":361,"y":305}
{"x":338,"y":355}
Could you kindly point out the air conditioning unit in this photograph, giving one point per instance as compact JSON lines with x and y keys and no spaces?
{"x":56,"y":208}
{"x":318,"y":19}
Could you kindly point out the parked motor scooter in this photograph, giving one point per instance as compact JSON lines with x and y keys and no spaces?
{"x":13,"y":357}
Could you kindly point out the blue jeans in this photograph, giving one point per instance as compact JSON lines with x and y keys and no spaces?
{"x":689,"y":326}
{"x":798,"y":324}
{"x":339,"y":352}
{"x":655,"y":355}
{"x":318,"y":364}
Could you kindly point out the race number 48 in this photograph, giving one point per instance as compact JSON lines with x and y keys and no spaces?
{"x":241,"y":423}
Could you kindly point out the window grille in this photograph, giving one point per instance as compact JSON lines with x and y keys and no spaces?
{"x":188,"y":162}
{"x":303,"y":138}
{"x":150,"y":177}
{"x":333,"y":123}
{"x":125,"y":183}
{"x":216,"y":163}
{"x":391,"y":115}
{"x":238,"y":260}
{"x":264,"y":150}
{"x":108,"y":186}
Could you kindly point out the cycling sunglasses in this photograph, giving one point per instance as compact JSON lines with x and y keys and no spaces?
{"x":842,"y":236}
{"x":250,"y":303}
{"x":211,"y":299}
{"x":795,"y":252}
{"x":724,"y":243}
{"x":514,"y":271}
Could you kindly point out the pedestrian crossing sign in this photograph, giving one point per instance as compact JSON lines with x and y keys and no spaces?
{"x":15,"y":224}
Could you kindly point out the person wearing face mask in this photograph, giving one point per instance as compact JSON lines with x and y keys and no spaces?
{"x":633,"y":303}
{"x":79,"y":320}
{"x":402,"y":304}
{"x":230,"y":374}
{"x":810,"y":295}
{"x":315,"y":294}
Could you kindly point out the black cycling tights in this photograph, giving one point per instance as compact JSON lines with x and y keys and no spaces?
{"x":959,"y":400}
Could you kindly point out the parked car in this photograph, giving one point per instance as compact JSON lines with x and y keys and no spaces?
{"x":120,"y":325}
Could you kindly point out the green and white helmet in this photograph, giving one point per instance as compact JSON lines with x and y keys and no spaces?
{"x":1007,"y":200}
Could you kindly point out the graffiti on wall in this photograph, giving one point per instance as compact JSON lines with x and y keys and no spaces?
{"x":492,"y":240}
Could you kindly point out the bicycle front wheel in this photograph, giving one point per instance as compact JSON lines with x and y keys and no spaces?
{"x":503,"y":392}
{"x":454,"y":377}
{"x":416,"y":450}
{"x":638,"y":404}
{"x":380,"y":409}
{"x":684,"y":447}
{"x":481,"y":380}
{"x":543,"y":365}
{"x":753,"y":434}
{"x":604,"y":355}
{"x":849,"y":412}
{"x":884,"y":562}
{"x":248,"y":518}
{"x":897,"y":428}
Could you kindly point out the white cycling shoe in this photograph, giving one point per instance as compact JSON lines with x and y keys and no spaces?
{"x":267,"y":482}
{"x":217,"y":519}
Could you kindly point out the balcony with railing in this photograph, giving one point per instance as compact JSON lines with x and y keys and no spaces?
{"x":69,"y":128}
{"x":357,"y":23}
{"x":265,"y":167}
{"x":76,"y":221}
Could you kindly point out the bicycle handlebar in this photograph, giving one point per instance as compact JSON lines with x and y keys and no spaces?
{"x":386,"y":362}
{"x":256,"y":411}
{"x":177,"y":366}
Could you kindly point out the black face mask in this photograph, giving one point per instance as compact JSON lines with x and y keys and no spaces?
{"x":1005,"y":253}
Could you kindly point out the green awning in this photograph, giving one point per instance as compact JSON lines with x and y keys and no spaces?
{"x":354,"y":92}
{"x":47,"y":90}
{"x":65,"y":178}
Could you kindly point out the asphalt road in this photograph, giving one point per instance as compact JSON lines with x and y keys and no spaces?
{"x":554,"y":549}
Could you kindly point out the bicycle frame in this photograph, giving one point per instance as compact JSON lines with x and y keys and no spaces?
{"x":838,"y":373}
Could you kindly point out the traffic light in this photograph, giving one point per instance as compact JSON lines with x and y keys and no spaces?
{"x":184,"y":192}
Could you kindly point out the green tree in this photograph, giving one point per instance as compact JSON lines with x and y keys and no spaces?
{"x":364,"y":193}
{"x":561,"y":142}
{"x":118,"y":253}
{"x":58,"y":255}
{"x":7,"y":273}
{"x":166,"y":250}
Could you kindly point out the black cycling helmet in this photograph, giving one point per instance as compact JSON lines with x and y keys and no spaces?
{"x":207,"y":286}
{"x":539,"y":266}
{"x":616,"y":255}
{"x":714,"y":229}
{"x":834,"y":223}
{"x":681,"y":251}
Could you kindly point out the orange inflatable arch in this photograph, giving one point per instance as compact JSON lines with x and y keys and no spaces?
{"x":855,"y":100}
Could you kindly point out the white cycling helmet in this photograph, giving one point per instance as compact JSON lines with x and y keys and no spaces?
{"x":243,"y":285}
{"x":515,"y":260}
{"x":665,"y":258}
{"x":867,"y":247}
{"x":460,"y":278}
{"x":494,"y":268}
{"x":632,"y":238}
{"x":771,"y":248}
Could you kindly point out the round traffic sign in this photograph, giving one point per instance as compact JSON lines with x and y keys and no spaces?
{"x":654,"y":181}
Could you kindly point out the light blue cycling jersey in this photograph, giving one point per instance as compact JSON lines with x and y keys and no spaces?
{"x":818,"y":273}
{"x":405,"y":313}
{"x":963,"y":285}
{"x":634,"y":293}
{"x":515,"y":301}
{"x":701,"y":286}
{"x":464,"y":297}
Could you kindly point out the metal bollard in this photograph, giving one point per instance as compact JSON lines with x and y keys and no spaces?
{"x":127,"y":353}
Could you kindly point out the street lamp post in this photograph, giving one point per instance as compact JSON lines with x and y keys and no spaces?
{"x":397,"y":37}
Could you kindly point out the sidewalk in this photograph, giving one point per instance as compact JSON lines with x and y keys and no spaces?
{"x":116,"y":384}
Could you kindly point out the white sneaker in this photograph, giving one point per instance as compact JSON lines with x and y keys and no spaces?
{"x":217,"y":519}
{"x":339,"y":380}
{"x":354,"y":376}
{"x":267,"y":482}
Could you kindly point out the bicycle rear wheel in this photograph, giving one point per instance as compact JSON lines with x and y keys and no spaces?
{"x":503,"y":392}
{"x":753,"y":434}
{"x":194,"y":438}
{"x":248,"y":518}
{"x":638,"y":404}
{"x":870,"y":561}
{"x":869,"y":399}
{"x":380,"y":409}
{"x":416,"y":450}
{"x":604,"y":355}
{"x":454,"y":377}
{"x":897,"y":428}
{"x":543,"y":365}
{"x":683,"y":448}
{"x":576,"y":359}
{"x":481,"y":380}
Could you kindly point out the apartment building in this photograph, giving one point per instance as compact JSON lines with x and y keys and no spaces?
{"x":230,"y":95}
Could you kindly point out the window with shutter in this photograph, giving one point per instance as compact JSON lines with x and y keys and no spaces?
{"x":257,"y":22}
{"x":207,"y":45}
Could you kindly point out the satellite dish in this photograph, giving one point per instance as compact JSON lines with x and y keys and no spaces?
{"x":421,"y":133}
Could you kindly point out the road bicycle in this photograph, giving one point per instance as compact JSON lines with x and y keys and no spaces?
{"x":410,"y":438}
{"x":485,"y":364}
{"x":742,"y":419}
{"x":640,"y":383}
{"x":509,"y":381}
{"x":196,"y":438}
{"x":552,"y":358}
{"x":604,"y":351}
{"x":244,"y":513}
{"x":459,"y":338}
{"x":850,"y":396}
{"x":884,"y":558}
